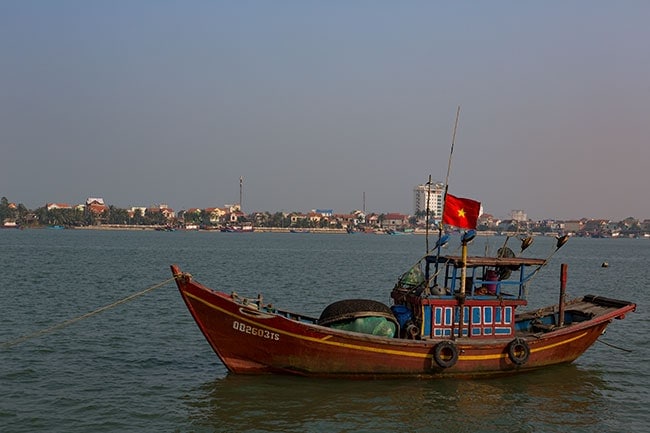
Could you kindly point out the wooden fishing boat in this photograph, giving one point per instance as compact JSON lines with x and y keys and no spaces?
{"x":453,"y":316}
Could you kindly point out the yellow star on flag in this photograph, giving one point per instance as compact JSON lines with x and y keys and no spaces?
{"x":461,"y":213}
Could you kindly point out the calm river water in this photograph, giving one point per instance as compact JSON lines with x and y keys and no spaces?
{"x":143,"y":366}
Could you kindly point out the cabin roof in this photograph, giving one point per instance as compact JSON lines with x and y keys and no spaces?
{"x":476,"y":261}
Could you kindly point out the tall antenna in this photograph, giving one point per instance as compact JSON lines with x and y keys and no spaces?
{"x":241,"y":189}
{"x":426,"y":237}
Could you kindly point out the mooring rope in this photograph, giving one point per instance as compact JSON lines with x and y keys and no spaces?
{"x":58,"y":326}
{"x":615,"y":347}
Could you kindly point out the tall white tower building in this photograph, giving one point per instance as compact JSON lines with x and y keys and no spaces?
{"x":518,"y":215}
{"x":420,"y":195}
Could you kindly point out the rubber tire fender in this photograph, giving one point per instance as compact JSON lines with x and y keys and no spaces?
{"x":518,"y":351}
{"x":445,"y":354}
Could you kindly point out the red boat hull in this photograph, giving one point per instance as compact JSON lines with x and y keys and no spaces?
{"x":250,"y":340}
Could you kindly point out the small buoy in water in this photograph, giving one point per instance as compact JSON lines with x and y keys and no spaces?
{"x":604,"y":265}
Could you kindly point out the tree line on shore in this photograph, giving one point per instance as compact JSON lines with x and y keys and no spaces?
{"x":81,"y":216}
{"x":75,"y":216}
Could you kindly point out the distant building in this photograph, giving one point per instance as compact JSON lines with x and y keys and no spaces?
{"x":137,"y":209}
{"x":94,"y":200}
{"x":324,"y":212}
{"x":572,"y":226}
{"x":518,"y":215}
{"x":51,"y":206}
{"x":372,"y":220}
{"x":163,"y":209}
{"x":315,"y":217}
{"x":232,"y":208}
{"x":296,"y":217}
{"x":487,"y":220}
{"x":216,"y":215}
{"x":360,"y":217}
{"x":236,"y":216}
{"x":435,"y":199}
{"x":96,"y":205}
{"x":346,"y":220}
{"x":395,"y":221}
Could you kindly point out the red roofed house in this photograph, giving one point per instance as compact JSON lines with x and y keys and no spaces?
{"x":395,"y":221}
{"x":346,"y":220}
{"x":215,"y":214}
{"x":51,"y":206}
{"x":163,"y":209}
{"x":96,"y":205}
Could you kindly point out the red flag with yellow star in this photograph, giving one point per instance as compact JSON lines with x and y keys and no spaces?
{"x":461,"y":212}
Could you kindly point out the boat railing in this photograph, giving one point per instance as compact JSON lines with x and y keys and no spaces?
{"x":482,"y":289}
{"x":484,"y":276}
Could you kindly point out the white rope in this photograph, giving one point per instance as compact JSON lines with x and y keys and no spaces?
{"x":61,"y":325}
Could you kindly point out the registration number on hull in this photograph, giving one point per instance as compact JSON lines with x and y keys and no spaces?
{"x":258,"y":332}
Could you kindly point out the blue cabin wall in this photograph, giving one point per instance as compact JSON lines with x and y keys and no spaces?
{"x":479,"y":321}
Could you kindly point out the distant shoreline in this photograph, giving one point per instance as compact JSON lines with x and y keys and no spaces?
{"x":161,"y":228}
{"x":420,"y":232}
{"x":292,"y":230}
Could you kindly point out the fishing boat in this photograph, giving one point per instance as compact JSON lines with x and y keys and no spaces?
{"x":451,"y":316}
{"x":246,"y":228}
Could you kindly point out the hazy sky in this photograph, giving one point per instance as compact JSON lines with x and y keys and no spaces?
{"x":316,"y":102}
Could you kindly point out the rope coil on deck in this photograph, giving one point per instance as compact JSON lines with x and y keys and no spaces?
{"x":68,"y":322}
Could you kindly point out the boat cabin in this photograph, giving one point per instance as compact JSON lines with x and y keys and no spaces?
{"x":482,"y":293}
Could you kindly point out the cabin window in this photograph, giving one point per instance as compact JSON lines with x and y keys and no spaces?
{"x":476,"y":315}
{"x":487,"y":316}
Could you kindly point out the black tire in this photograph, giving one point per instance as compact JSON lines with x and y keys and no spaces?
{"x":350,"y":309}
{"x":518,"y":351}
{"x":445,"y":354}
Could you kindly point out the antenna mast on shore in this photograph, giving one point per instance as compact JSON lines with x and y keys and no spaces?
{"x":241,"y":189}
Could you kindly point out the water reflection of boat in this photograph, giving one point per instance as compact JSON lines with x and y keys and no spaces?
{"x":547,"y":400}
{"x":465,"y":324}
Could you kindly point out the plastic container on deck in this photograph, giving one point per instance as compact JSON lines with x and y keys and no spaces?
{"x":491,"y":275}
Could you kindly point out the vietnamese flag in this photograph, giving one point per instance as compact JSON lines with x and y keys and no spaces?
{"x":461,"y":212}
